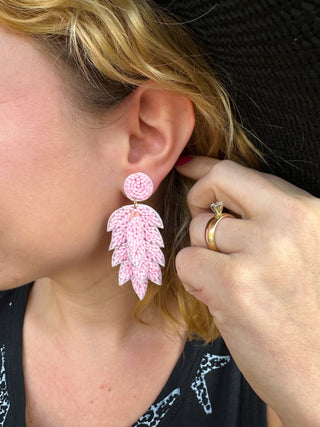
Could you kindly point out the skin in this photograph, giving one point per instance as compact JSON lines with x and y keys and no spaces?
{"x":265,"y":296}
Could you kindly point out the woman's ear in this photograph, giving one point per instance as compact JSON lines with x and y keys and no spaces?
{"x":159,"y":127}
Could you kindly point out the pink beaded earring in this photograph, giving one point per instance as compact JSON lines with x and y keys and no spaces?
{"x":136,"y":239}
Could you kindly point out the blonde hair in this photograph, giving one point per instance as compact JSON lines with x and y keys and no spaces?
{"x":109,"y":47}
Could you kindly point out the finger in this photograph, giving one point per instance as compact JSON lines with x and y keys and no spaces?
{"x":201,"y":272}
{"x":232,"y":235}
{"x":242,"y":190}
{"x":198,"y":167}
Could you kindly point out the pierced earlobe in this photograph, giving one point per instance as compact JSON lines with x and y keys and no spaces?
{"x":136,"y":239}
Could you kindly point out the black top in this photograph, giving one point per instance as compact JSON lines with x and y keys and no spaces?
{"x":205,"y":388}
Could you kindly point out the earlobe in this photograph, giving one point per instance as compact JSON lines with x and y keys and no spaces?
{"x":162,"y":123}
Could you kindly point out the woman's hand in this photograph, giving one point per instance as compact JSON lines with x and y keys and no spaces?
{"x":263,"y":288}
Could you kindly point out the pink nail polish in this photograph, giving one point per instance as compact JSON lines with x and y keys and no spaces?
{"x":183,"y":160}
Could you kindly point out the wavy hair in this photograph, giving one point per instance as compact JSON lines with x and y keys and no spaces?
{"x":106,"y":49}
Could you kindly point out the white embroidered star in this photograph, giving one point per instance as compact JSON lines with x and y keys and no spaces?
{"x":4,"y":396}
{"x":158,"y":411}
{"x":208,"y":363}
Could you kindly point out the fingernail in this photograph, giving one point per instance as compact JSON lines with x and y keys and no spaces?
{"x":183,"y":160}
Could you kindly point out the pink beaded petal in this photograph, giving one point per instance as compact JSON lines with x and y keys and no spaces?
{"x":135,"y":237}
{"x":155,"y":274}
{"x":119,"y":237}
{"x":136,"y":242}
{"x":120,"y":255}
{"x":153,"y":217}
{"x":125,"y":272}
{"x":155,"y":254}
{"x":140,"y":278}
{"x":152,"y":235}
{"x":120,"y":217}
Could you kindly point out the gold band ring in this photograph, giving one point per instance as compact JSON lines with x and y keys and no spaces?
{"x":216,"y":208}
{"x":211,"y":228}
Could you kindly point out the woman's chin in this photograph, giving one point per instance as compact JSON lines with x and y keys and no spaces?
{"x":8,"y":281}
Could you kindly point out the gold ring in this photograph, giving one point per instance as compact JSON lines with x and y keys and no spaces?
{"x":211,"y":228}
{"x":216,"y":208}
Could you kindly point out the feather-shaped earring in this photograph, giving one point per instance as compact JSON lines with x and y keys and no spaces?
{"x":136,"y":239}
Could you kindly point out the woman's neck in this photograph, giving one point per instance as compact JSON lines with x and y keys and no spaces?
{"x":89,"y":308}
